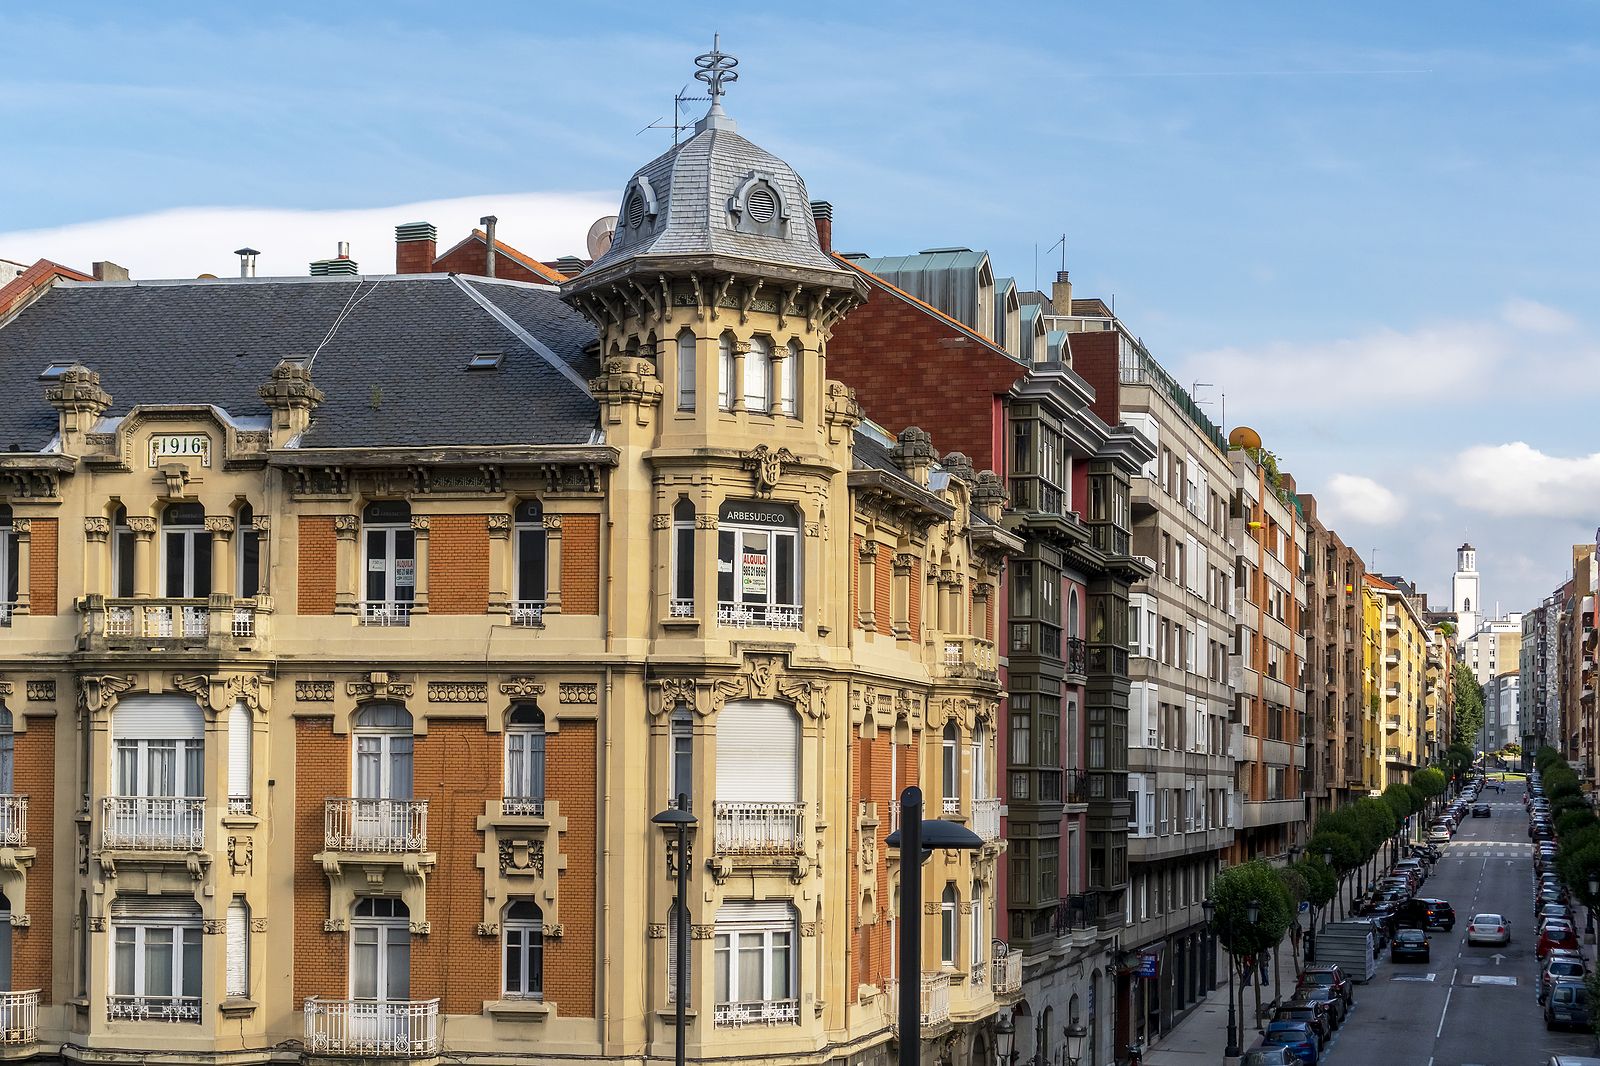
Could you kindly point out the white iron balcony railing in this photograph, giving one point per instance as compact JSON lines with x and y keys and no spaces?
{"x":935,"y":994}
{"x":402,"y":1028}
{"x":159,"y":618}
{"x":240,"y":805}
{"x":522,"y":805}
{"x":680,"y":608}
{"x":1007,"y":970}
{"x":244,"y":621}
{"x":759,"y":1012}
{"x":760,"y":828}
{"x":385,"y":826}
{"x":13,"y":821}
{"x":386,"y":612}
{"x":19,"y":1018}
{"x":986,"y":818}
{"x":5,"y":613}
{"x":529,"y":613}
{"x":758,"y":616}
{"x":950,"y":807}
{"x":153,"y":1008}
{"x":153,"y":823}
{"x":979,"y":974}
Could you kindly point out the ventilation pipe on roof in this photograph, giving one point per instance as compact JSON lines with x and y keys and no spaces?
{"x":822,"y":212}
{"x":488,"y":223}
{"x":247,"y":261}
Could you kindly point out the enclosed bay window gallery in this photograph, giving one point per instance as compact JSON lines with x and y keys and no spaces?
{"x":758,"y":565}
{"x":389,"y":551}
{"x":158,"y":777}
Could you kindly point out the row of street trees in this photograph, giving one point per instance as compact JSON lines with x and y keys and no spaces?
{"x":1577,"y":837}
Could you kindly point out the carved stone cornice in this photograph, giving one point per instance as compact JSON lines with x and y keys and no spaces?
{"x":96,"y":530}
{"x":764,"y":677}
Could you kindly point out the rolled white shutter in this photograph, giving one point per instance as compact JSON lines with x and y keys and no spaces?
{"x":758,"y":752}
{"x":239,"y":738}
{"x":174,"y":717}
{"x":755,"y":912}
{"x":238,"y":949}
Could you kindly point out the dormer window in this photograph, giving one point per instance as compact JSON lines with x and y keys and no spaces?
{"x":639,"y":206}
{"x":757,"y":206}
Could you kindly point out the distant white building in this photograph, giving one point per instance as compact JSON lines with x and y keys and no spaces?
{"x":1494,"y":648}
{"x":1502,"y":710}
{"x":1464,"y":592}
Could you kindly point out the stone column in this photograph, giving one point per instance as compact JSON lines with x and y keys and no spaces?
{"x":22,"y":530}
{"x":144,"y":572}
{"x":741,"y":348}
{"x":552,"y":564}
{"x":419,"y":532}
{"x":499,"y":563}
{"x":96,"y":536}
{"x":221,"y":529}
{"x":348,"y":587}
{"x":263,"y":528}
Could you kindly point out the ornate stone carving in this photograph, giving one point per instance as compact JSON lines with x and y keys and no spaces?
{"x":499,"y":525}
{"x":522,"y":857}
{"x":346,"y":525}
{"x":458,"y":692}
{"x":334,"y":925}
{"x":767,"y":465}
{"x":765,"y":677}
{"x":658,"y":930}
{"x":579,"y":692}
{"x":97,"y":923}
{"x":521,"y":688}
{"x":660,"y":521}
{"x":808,"y":928}
{"x":263,"y":523}
{"x":902,"y":564}
{"x":219,"y":524}
{"x":555,"y":931}
{"x":142,"y":524}
{"x":241,"y":855}
{"x":552,"y":521}
{"x":22,"y":527}
{"x":420,"y":523}
{"x":421,"y":928}
{"x":41,"y":691}
{"x":6,"y":689}
{"x":213,"y":926}
{"x":313,"y":691}
{"x":96,"y":529}
{"x":99,"y":692}
{"x":378,"y":686}
{"x":705,"y":521}
{"x":258,"y":925}
{"x":702,"y":932}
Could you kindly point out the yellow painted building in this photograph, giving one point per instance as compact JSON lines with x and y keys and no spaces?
{"x":1399,"y":674}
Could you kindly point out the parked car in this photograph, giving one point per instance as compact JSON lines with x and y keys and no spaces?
{"x":1555,"y":934}
{"x":1567,"y":1006}
{"x":1328,"y":998}
{"x":1269,"y":1055}
{"x":1298,"y":1037}
{"x":1410,"y":944}
{"x":1330,"y":976}
{"x":1426,"y":914}
{"x":1316,"y":1015}
{"x":1488,"y":928}
{"x":1546,"y":897}
{"x":1438,"y":835}
{"x":1413,"y":867}
{"x":1481,"y":810}
{"x":1559,"y":967}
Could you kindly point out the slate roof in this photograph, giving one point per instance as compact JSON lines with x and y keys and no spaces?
{"x":394,"y":370}
{"x":693,"y":183}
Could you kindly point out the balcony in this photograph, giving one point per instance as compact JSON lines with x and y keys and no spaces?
{"x":377,"y":826}
{"x":950,"y":807}
{"x":1391,"y":624}
{"x":986,"y":818}
{"x":171,"y":623}
{"x":153,"y":1008}
{"x":1076,"y":788}
{"x":1392,"y":723}
{"x":385,"y":612}
{"x":404,"y":1029}
{"x":757,"y":1012}
{"x":935,"y":1001}
{"x":13,"y":821}
{"x":19,"y":1018}
{"x":758,"y":616}
{"x":680,"y":608}
{"x":1077,"y":656}
{"x":1392,"y":692}
{"x":527,"y":613}
{"x":1006,"y":972}
{"x":760,"y":828}
{"x":152,"y":823}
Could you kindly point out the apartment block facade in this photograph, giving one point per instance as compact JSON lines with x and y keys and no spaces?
{"x":357,"y":628}
{"x":1399,"y":672}
{"x":1336,"y":706}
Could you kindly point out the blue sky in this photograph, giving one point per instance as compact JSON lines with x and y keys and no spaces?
{"x":1371,"y":223}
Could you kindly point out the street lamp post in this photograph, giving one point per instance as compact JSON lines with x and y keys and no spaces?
{"x":1209,"y":907}
{"x":1005,"y":1035}
{"x":1252,"y":913}
{"x":916,"y":839}
{"x":1594,"y":891}
{"x":1072,"y":1053}
{"x":679,"y":818}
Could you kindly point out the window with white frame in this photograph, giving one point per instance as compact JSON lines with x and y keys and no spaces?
{"x":683,"y":568}
{"x":522,"y":934}
{"x":726,"y":361}
{"x":789,"y":380}
{"x":758,"y":376}
{"x":758,"y":565}
{"x":9,"y":560}
{"x":155,"y":959}
{"x":238,"y":946}
{"x":380,"y":952}
{"x":240,"y":742}
{"x":951,"y":768}
{"x":681,"y":735}
{"x":976,"y":932}
{"x":753,"y":956}
{"x":185,"y":551}
{"x":158,"y":777}
{"x":525,"y":741}
{"x":531,"y":543}
{"x":949,"y":907}
{"x":380,"y":813}
{"x":247,"y":554}
{"x":686,"y":371}
{"x":389,"y":551}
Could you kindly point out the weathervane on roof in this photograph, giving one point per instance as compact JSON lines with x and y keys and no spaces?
{"x":715,"y":68}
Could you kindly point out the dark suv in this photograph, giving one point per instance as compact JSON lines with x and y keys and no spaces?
{"x":1426,"y":914}
{"x":1330,"y":977}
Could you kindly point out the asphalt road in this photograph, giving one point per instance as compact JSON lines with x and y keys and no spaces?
{"x":1466,"y":1007}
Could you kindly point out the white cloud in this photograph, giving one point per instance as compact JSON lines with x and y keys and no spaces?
{"x":1536,"y":317}
{"x":1360,"y":500}
{"x":1518,"y":480}
{"x":186,"y":242}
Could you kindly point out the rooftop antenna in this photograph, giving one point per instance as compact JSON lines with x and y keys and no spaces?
{"x":679,"y":98}
{"x":1063,"y":244}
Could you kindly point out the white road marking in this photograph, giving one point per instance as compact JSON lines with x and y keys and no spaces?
{"x":1493,"y":979}
{"x":1448,"y":993}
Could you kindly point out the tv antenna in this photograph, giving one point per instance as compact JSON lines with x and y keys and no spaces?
{"x":679,"y":98}
{"x":1063,"y":243}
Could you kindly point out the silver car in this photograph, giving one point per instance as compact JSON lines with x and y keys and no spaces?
{"x":1488,"y":929}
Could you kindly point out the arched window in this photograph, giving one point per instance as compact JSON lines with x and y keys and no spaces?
{"x":390,"y":564}
{"x":951,"y":766}
{"x":981,"y":788}
{"x":531,"y":546}
{"x":185,"y":551}
{"x":247,"y":553}
{"x":522,"y":933}
{"x":725,"y":365}
{"x":240,"y":744}
{"x":789,"y":381}
{"x":238,"y":945}
{"x":1072,"y":613}
{"x":949,"y":905}
{"x":977,"y":931}
{"x":121,"y":553}
{"x":524,"y":760}
{"x":379,"y":815}
{"x":380,"y":955}
{"x":758,"y":376}
{"x":686,"y":371}
{"x":9,"y":559}
{"x":682,"y":605}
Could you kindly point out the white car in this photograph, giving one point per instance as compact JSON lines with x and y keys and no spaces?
{"x":1488,"y":929}
{"x":1438,"y":835}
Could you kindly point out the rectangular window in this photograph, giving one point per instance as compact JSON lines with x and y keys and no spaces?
{"x":758,"y":577}
{"x":725,"y":362}
{"x":249,"y":555}
{"x":682,"y":757}
{"x":686,"y":372}
{"x":789,"y":381}
{"x":238,"y":936}
{"x":156,"y":970}
{"x":753,"y":960}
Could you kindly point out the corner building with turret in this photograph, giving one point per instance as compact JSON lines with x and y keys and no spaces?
{"x":356,"y":628}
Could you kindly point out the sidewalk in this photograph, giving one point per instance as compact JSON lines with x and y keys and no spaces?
{"x":1202,"y":1036}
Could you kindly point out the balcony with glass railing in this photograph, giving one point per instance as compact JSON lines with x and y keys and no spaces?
{"x":754,"y":828}
{"x":376,"y":826}
{"x":367,"y":1028}
{"x":152,"y":823}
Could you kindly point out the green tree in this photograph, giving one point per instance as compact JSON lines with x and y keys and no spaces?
{"x":1469,"y":705}
{"x":1233,"y":891}
{"x":1574,"y":821}
{"x":1320,"y":883}
{"x":1344,"y":851}
{"x":1429,"y":781}
{"x":1377,"y":821}
{"x":1399,"y":798}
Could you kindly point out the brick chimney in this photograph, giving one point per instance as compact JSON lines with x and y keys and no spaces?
{"x":416,"y":246}
{"x":1061,"y":293}
{"x":822,"y":211}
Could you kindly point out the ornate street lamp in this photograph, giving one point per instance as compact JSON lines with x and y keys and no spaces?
{"x":1252,"y":914}
{"x":679,"y":818}
{"x":919,"y":838}
{"x":1005,"y":1035}
{"x":1076,"y":1035}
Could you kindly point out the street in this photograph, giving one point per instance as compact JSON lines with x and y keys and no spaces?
{"x":1469,"y":1005}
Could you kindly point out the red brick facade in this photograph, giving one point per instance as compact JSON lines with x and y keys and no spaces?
{"x":42,"y":566}
{"x":319,"y":564}
{"x":569,"y":963}
{"x":322,"y":769}
{"x":580,"y":564}
{"x":35,"y":773}
{"x":458,"y":564}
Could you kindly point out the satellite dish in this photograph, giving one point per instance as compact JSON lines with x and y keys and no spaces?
{"x":600,"y":235}
{"x":1244,"y":437}
{"x":205,"y":277}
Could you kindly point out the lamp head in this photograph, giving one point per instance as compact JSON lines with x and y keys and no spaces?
{"x":674,"y":816}
{"x":1252,"y":912}
{"x":1209,"y":907}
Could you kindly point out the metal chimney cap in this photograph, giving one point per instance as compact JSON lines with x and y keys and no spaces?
{"x":246,"y":251}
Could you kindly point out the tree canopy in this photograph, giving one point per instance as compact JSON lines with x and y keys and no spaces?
{"x":1429,"y":781}
{"x":1469,"y":705}
{"x":1234,"y":890}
